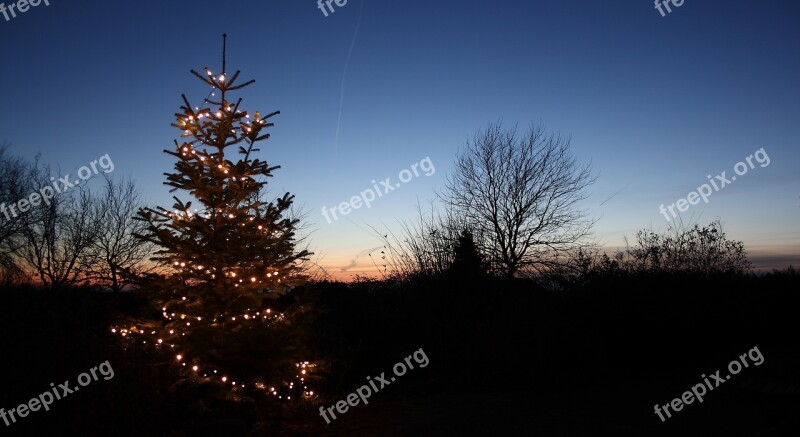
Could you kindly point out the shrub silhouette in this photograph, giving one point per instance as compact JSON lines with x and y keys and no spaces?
{"x":467,"y":259}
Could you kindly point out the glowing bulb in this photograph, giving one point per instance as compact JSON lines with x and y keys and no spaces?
{"x":179,"y":357}
{"x":194,"y":368}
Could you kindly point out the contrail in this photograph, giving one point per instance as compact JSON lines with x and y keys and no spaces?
{"x":613,"y":195}
{"x":344,"y":76}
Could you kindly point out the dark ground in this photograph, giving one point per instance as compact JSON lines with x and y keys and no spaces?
{"x":506,"y":358}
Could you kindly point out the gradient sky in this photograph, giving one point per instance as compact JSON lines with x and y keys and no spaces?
{"x":654,"y":103}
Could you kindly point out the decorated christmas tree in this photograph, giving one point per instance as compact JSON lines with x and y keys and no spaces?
{"x":227,"y":254}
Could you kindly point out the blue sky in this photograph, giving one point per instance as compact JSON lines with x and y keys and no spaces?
{"x":654,"y":103}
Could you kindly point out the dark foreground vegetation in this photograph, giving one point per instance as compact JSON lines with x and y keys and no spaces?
{"x":507,"y":357}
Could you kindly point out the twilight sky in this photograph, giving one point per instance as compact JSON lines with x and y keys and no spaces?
{"x":654,"y":103}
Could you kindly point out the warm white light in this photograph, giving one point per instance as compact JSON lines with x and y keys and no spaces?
{"x":179,"y":357}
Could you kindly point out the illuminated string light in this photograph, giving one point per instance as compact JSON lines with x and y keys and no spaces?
{"x":202,"y":131}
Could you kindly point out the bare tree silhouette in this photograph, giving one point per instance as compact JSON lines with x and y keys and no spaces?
{"x":14,"y":173}
{"x":519,"y":194}
{"x":58,"y":233}
{"x":116,"y":256}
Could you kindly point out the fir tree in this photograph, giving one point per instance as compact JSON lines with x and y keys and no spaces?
{"x":467,"y":259}
{"x":227,"y":258}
